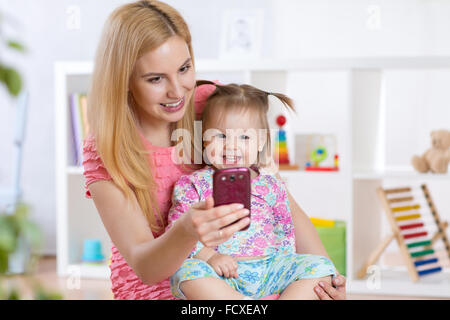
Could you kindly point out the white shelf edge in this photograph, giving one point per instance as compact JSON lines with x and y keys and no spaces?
{"x":86,"y":271}
{"x":75,"y":67}
{"x":387,"y":62}
{"x":215,"y":65}
{"x":75,"y":170}
{"x":435,"y":285}
{"x":309,"y":173}
{"x":374,"y":175}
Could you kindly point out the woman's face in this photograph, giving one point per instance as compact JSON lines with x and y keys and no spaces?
{"x":163,"y":82}
{"x":236,"y":141}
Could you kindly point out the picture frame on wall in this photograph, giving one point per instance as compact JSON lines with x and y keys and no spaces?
{"x":241,"y":34}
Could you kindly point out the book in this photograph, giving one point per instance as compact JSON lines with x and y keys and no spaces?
{"x":79,"y":125}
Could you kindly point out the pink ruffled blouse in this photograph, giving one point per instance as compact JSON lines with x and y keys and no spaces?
{"x":125,"y":283}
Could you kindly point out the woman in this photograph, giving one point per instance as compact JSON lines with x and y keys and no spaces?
{"x":142,"y":90}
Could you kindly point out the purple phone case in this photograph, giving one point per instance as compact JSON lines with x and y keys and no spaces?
{"x":232,"y":186}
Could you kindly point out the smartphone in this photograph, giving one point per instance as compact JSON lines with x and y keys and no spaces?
{"x":232,"y":185}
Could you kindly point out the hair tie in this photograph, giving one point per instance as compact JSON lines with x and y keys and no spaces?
{"x":202,"y":93}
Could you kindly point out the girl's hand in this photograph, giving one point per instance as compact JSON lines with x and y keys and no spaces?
{"x":224,"y":265}
{"x":208,"y":223}
{"x":326,"y":292}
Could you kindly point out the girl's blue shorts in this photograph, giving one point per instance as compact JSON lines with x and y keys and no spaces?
{"x":260,"y":277}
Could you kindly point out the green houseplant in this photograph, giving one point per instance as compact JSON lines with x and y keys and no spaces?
{"x":14,"y":228}
{"x":17,"y":231}
{"x":9,"y":76}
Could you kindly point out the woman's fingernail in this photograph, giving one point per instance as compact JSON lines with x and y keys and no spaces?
{"x":239,"y":206}
{"x":246,"y":211}
{"x":318,"y":290}
{"x":322,"y":284}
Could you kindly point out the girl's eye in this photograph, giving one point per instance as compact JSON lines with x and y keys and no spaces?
{"x":185,"y":68}
{"x":154,"y":79}
{"x":245,"y":137}
{"x":221,"y":136}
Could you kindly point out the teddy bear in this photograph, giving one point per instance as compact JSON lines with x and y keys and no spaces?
{"x":436,"y":158}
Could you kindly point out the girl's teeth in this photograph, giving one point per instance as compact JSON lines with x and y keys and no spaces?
{"x":232,"y":158}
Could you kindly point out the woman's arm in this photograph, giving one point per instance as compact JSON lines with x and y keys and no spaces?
{"x":153,"y":260}
{"x":306,"y":237}
{"x":307,"y":241}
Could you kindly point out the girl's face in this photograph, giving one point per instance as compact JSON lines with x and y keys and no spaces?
{"x":163,"y":82}
{"x":236,"y":141}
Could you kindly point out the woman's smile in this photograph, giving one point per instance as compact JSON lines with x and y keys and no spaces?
{"x":173,"y":107}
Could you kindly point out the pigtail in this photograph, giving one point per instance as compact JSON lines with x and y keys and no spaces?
{"x":288,"y":102}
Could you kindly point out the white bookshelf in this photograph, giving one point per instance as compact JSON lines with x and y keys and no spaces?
{"x":77,"y":218}
{"x":355,"y":85}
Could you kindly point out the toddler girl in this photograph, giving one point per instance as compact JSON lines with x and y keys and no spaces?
{"x":262,"y":260}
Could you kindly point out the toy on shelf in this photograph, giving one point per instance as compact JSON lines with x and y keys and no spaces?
{"x":437,"y":158}
{"x":281,"y":154}
{"x":317,"y":222}
{"x":318,"y":155}
{"x":408,"y":229}
{"x":317,"y":152}
{"x":332,"y":235}
{"x":92,"y":251}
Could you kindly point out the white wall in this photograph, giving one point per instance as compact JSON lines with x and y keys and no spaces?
{"x":292,"y":28}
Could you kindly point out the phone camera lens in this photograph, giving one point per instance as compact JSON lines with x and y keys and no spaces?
{"x":241,"y":176}
{"x":232,"y":178}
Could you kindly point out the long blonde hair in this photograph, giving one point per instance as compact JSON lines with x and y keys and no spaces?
{"x":130,"y":31}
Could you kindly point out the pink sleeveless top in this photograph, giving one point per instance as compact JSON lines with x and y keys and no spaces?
{"x":125,"y":283}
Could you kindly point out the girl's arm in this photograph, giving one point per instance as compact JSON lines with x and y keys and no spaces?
{"x":205,"y":254}
{"x":153,"y":260}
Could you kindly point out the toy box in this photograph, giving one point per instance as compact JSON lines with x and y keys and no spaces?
{"x":333,"y":239}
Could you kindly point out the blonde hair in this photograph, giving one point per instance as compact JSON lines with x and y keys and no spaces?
{"x":244,"y":97}
{"x":131,"y":31}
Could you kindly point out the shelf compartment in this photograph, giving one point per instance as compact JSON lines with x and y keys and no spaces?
{"x":88,"y":271}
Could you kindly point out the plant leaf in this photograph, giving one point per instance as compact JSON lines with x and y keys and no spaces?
{"x":13,"y":81}
{"x":16,"y":45}
{"x":14,"y":294}
{"x":7,"y":236}
{"x":32,"y":234}
{"x":2,"y":74}
{"x":4,"y":262}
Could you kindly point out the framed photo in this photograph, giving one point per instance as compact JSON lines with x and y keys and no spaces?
{"x":241,"y":34}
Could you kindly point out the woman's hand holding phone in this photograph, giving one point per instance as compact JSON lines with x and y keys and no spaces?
{"x":214,"y":225}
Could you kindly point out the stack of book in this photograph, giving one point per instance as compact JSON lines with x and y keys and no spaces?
{"x":80,"y":126}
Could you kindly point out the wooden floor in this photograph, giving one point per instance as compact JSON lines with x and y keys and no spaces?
{"x":101,"y":289}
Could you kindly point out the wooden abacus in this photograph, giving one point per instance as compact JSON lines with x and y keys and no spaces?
{"x":403,"y":215}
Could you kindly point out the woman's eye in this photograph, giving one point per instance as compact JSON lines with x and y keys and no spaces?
{"x":154,"y":80}
{"x":185,"y":68}
{"x":245,"y":137}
